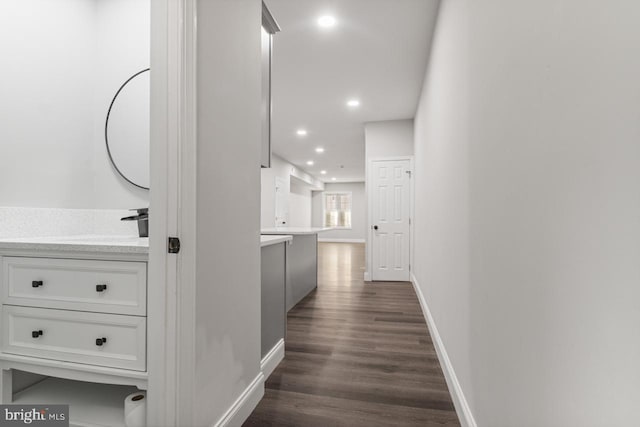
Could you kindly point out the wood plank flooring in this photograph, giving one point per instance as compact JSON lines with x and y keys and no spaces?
{"x":357,"y":354}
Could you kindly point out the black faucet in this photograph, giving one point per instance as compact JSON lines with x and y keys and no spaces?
{"x":143,"y":221}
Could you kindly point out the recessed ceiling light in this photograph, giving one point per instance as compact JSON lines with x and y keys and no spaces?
{"x":333,"y":179}
{"x":353,"y":103}
{"x":319,"y":150}
{"x":323,"y":172}
{"x":327,"y":21}
{"x":310,"y":162}
{"x":301,"y":132}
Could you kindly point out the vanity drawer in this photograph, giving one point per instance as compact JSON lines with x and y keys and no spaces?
{"x":73,"y":336}
{"x":76,"y":284}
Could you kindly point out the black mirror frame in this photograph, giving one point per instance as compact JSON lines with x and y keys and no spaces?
{"x":106,"y":128}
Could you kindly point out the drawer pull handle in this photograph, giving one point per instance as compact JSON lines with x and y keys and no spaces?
{"x":100,"y":341}
{"x":101,"y":288}
{"x":36,"y":283}
{"x":36,"y":334}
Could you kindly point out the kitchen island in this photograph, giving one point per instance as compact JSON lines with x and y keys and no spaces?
{"x":302,"y":261}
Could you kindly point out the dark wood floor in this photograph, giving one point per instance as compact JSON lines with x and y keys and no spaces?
{"x":357,"y":354}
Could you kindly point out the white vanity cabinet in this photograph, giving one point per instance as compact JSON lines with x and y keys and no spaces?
{"x":115,"y":287}
{"x":78,"y":313}
{"x":75,"y":336}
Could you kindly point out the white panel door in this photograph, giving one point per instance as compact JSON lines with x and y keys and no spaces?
{"x":390,"y":226}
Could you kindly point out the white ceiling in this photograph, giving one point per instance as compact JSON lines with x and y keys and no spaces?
{"x":376,"y":53}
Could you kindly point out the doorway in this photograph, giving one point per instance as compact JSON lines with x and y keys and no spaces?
{"x":390,"y":213}
{"x":282,"y":202}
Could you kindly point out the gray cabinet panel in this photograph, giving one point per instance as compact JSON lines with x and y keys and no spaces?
{"x":302,"y":266}
{"x":273,"y":315}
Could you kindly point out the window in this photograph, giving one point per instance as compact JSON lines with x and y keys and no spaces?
{"x":337,"y":210}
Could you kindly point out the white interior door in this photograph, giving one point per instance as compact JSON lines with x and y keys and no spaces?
{"x":282,"y":202}
{"x":390,"y":224}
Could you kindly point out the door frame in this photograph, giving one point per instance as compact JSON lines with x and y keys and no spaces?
{"x":171,"y":322}
{"x":286,"y":185}
{"x":369,"y":236}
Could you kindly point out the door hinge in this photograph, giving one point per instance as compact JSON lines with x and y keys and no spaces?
{"x":174,"y":245}
{"x":408,"y":173}
{"x":409,"y":221}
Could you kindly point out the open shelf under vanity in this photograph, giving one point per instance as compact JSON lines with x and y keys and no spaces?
{"x":90,"y":404}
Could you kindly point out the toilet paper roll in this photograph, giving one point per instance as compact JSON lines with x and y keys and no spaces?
{"x":135,"y":410}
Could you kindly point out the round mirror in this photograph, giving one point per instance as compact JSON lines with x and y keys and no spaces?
{"x":126,"y":129}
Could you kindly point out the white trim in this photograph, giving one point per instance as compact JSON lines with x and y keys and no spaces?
{"x":166,"y":37}
{"x":367,"y":276}
{"x":457,"y":395}
{"x":173,"y":130}
{"x":244,"y":406}
{"x":186,"y":219}
{"x":74,"y":371}
{"x":333,"y":240}
{"x":389,"y":159}
{"x":272,"y":359}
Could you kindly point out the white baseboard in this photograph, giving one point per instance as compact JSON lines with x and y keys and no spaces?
{"x":367,"y":276}
{"x":331,"y":240}
{"x":244,"y":406}
{"x":459,"y":401}
{"x":272,"y":359}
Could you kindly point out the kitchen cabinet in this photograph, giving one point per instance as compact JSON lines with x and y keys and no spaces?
{"x":273,"y":316}
{"x":302,"y":261}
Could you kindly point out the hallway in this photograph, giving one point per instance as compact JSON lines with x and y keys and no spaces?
{"x":356,"y":354}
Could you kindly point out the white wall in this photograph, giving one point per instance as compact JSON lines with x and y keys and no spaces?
{"x":46,"y":153}
{"x":389,"y":138}
{"x":358,"y":211}
{"x":527,"y":222}
{"x":122,"y":49}
{"x":299,"y":203}
{"x":53,"y":100}
{"x":227,"y":306}
{"x":299,"y":196}
{"x":392,"y":138}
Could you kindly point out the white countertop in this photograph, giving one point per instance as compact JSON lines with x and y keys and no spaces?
{"x":272,"y":240}
{"x":81,"y":243}
{"x":294,"y":230}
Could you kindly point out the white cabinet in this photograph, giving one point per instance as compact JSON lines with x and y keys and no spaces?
{"x":73,"y":317}
{"x":75,"y":336}
{"x":75,"y":284}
